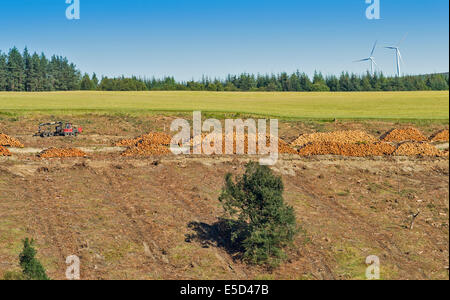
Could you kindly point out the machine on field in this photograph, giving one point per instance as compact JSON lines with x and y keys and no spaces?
{"x":58,"y":129}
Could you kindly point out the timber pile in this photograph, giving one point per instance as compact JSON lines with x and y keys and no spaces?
{"x":283,"y":147}
{"x":144,"y":149}
{"x":419,"y":149}
{"x":404,"y":135}
{"x":4,"y":151}
{"x":150,"y":144}
{"x":155,"y":138}
{"x":8,"y":141}
{"x":348,"y":137}
{"x":61,"y":153}
{"x":441,"y":136}
{"x":347,"y":149}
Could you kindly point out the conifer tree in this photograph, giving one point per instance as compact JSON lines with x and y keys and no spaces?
{"x":16,"y":71}
{"x":86,"y":83}
{"x":94,"y":81}
{"x":32,"y":269}
{"x":262,"y":224}
{"x":3,"y":73}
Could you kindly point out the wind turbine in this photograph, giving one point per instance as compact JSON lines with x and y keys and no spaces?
{"x":398,"y":56}
{"x":371,"y":59}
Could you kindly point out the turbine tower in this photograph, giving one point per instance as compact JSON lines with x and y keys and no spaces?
{"x":398,"y":56}
{"x":371,"y":59}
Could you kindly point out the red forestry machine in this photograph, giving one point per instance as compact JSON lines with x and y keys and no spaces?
{"x":58,"y":129}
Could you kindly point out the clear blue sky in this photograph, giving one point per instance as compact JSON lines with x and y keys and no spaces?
{"x":187,"y":39}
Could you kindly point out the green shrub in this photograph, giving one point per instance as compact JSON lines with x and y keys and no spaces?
{"x":261,"y":223}
{"x":32,"y":269}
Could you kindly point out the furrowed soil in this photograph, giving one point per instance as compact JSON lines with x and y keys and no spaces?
{"x":155,"y":217}
{"x":61,"y":153}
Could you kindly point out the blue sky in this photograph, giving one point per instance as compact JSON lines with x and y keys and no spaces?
{"x":187,"y":39}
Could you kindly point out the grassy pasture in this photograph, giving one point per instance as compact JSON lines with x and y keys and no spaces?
{"x":350,"y":106}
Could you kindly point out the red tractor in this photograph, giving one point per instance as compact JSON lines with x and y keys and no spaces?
{"x":58,"y":129}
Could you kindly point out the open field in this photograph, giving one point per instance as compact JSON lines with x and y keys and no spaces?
{"x":326,"y":106}
{"x":157,"y":217}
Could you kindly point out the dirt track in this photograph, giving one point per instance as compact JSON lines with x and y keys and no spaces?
{"x":85,"y":149}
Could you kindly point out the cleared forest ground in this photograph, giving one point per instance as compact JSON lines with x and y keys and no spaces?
{"x":129,"y":218}
{"x":156,"y":217}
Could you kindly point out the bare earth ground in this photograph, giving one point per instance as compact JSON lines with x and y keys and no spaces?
{"x":129,"y":218}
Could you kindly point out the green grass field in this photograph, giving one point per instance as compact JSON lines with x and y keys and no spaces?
{"x":352,"y":106}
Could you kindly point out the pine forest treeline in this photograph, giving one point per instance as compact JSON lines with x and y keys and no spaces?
{"x":25,"y":72}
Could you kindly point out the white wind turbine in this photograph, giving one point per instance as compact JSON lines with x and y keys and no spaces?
{"x":398,"y":56}
{"x":371,"y":59}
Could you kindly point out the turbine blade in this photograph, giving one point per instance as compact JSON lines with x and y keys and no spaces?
{"x":361,"y":60}
{"x":373,"y":49}
{"x":403,"y":39}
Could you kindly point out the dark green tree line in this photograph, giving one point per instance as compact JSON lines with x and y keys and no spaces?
{"x":300,"y":82}
{"x":34,"y":73}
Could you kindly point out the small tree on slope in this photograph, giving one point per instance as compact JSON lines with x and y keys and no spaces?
{"x":32,"y":269}
{"x":262,"y":224}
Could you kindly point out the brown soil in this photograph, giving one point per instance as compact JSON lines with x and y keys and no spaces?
{"x":351,"y":136}
{"x":8,"y":141}
{"x":346,"y":149}
{"x":61,"y":153}
{"x":441,"y":136}
{"x":404,"y":135}
{"x":129,"y":217}
{"x":419,"y":149}
{"x":4,"y":151}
